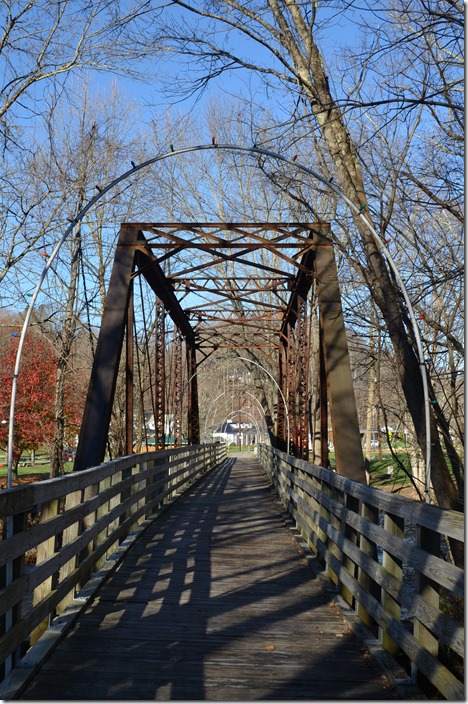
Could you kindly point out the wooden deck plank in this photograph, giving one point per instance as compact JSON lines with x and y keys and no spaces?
{"x":213,"y":602}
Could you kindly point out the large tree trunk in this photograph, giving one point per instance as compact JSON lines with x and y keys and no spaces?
{"x":314,"y":83}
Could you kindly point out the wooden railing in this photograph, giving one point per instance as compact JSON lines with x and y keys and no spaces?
{"x":58,"y":533}
{"x":389,"y":559}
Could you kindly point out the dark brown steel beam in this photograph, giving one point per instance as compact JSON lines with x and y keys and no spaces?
{"x":237,"y":299}
{"x":129,"y":375}
{"x":178,"y":379}
{"x":302,"y":285}
{"x":256,"y":265}
{"x":148,"y":266}
{"x":160,"y":376}
{"x":193,"y":411}
{"x":291,"y":377}
{"x":98,"y":406}
{"x":285,"y":279}
{"x":323,"y":408}
{"x":345,"y":423}
{"x":281,"y":428}
{"x":239,"y":295}
{"x":303,"y":380}
{"x":208,"y":247}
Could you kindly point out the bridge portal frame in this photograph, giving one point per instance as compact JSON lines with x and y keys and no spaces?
{"x":130,"y":254}
{"x":134,"y":256}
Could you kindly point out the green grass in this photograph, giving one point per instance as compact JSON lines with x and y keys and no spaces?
{"x":379,"y":471}
{"x":244,"y":448}
{"x":39,"y":471}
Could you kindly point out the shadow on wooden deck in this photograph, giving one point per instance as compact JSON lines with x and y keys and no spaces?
{"x":213,"y":602}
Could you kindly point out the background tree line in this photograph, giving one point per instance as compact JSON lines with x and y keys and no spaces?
{"x":368,"y":94}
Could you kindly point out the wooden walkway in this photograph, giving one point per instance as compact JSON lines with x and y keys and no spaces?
{"x":213,"y":602}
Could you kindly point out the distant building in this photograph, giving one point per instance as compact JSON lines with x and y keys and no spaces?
{"x":168,"y":429}
{"x":230,"y":432}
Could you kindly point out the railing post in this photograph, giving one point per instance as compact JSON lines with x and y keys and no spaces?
{"x":13,"y":569}
{"x":150,"y":495}
{"x":100,"y":512}
{"x":334,"y":494}
{"x":369,"y":548}
{"x":352,"y":504}
{"x":272,"y":461}
{"x":136,"y":487}
{"x":300,"y":475}
{"x":429,"y":541}
{"x":315,"y":506}
{"x":284,"y":482}
{"x":394,"y":566}
{"x":88,"y":522}
{"x":44,"y":551}
{"x":325,"y":491}
{"x":68,"y":536}
{"x":125,"y":493}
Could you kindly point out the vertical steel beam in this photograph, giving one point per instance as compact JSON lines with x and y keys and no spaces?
{"x":345,"y":424}
{"x":193,"y":419}
{"x":178,"y":388}
{"x":281,"y":434}
{"x":129,"y":375}
{"x":303,"y":380}
{"x":291,"y":368}
{"x":323,"y":401}
{"x":98,"y":406}
{"x":160,"y":376}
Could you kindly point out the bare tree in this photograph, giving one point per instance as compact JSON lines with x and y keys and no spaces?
{"x":44,"y":41}
{"x":88,"y":144}
{"x":287,"y":36}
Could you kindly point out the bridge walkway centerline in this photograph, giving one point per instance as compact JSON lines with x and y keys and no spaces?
{"x":213,"y":602}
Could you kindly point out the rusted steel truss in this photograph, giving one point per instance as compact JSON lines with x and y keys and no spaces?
{"x":319,"y":263}
{"x":193,"y":413}
{"x":178,"y":386}
{"x":281,"y":410}
{"x":129,"y":375}
{"x":303,"y":380}
{"x":242,"y":287}
{"x":160,"y":375}
{"x":291,"y":376}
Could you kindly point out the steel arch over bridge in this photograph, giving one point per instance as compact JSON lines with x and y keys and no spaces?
{"x":249,"y":302}
{"x":359,"y":210}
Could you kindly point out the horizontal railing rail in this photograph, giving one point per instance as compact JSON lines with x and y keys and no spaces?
{"x":58,"y":532}
{"x":389,"y":557}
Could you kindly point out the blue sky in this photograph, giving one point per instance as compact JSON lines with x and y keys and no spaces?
{"x":341,"y":32}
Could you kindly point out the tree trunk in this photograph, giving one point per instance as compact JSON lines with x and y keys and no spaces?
{"x":370,"y":411}
{"x":66,"y":343}
{"x":56,"y":455}
{"x":314,"y":82}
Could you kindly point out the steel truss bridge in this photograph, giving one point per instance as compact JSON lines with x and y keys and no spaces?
{"x":171,"y":573}
{"x":251,"y":302}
